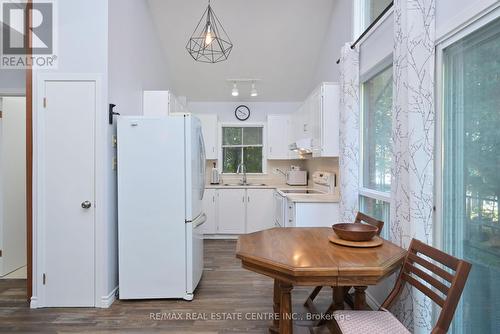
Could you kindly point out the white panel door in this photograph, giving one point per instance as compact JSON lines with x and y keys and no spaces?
{"x":232,"y":207}
{"x":13,"y":175}
{"x":210,"y":210}
{"x":68,"y":154}
{"x":260,"y":209}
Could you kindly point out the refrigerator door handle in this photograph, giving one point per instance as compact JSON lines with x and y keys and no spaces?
{"x":203,"y":164}
{"x":200,"y":221}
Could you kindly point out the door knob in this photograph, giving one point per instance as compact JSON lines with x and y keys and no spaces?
{"x":86,"y":205}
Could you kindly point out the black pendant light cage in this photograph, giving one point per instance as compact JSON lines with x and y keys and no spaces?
{"x":209,"y":42}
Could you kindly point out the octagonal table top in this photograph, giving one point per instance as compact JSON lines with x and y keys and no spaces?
{"x":305,"y":256}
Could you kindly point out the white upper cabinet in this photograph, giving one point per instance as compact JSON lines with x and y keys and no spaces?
{"x":318,"y":119}
{"x":209,"y":125}
{"x":329,"y":118}
{"x":278,"y":138}
{"x":162,"y":103}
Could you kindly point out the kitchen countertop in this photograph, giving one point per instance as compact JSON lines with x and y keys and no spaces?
{"x":296,"y":198}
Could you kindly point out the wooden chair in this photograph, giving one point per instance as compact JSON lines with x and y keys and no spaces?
{"x":443,"y":287}
{"x":342,"y":293}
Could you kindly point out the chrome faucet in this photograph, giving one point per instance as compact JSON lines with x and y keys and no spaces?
{"x":242,"y":168}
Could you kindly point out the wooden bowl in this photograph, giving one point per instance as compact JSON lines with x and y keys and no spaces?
{"x":355,"y":231}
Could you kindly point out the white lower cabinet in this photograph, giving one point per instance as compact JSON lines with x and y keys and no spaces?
{"x":210,"y":208}
{"x":232,"y":211}
{"x":260,"y":209}
{"x":302,"y":214}
{"x":237,"y":211}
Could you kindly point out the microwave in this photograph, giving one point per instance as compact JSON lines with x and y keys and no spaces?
{"x":296,"y":178}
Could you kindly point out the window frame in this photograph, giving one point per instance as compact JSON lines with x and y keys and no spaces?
{"x":360,"y":19}
{"x":373,"y":72}
{"x":243,"y":125}
{"x":362,"y":190}
{"x":454,"y":36}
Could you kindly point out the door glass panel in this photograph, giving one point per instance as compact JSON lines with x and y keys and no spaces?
{"x":471,"y":183}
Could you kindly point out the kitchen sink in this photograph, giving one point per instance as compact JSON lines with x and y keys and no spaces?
{"x":300,"y":191}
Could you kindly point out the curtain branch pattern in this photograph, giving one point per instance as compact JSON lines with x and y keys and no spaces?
{"x":349,"y":133}
{"x":412,"y":185}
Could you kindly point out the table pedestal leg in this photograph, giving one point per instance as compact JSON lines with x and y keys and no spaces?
{"x":276,"y":307}
{"x":286,"y":321}
{"x":337,"y":303}
{"x":359,"y":298}
{"x":338,"y":297}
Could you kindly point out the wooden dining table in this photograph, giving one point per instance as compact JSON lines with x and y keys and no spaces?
{"x":296,"y":256}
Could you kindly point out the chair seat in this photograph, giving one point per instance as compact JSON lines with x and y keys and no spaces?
{"x":373,"y":322}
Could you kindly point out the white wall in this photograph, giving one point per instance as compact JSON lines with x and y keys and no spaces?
{"x":13,"y":184}
{"x":339,"y":33}
{"x":258,"y":110}
{"x":453,"y":14}
{"x":136,"y":58}
{"x":376,"y":47}
{"x":12,"y":82}
{"x":136,"y":63}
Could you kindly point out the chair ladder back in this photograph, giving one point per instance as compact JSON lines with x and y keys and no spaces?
{"x":361,"y":217}
{"x":424,"y":280}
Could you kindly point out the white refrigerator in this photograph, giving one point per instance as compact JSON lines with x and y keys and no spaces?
{"x":161,"y":182}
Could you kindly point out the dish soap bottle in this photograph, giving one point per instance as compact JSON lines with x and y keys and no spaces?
{"x":215,"y":175}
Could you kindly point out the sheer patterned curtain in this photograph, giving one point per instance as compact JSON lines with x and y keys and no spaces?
{"x":349,"y":133}
{"x":413,"y":126}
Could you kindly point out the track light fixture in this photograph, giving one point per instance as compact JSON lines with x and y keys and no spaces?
{"x":253,"y":92}
{"x":235,"y":91}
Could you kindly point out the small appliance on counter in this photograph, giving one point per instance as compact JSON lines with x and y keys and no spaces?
{"x":296,"y":177}
{"x":215,"y":178}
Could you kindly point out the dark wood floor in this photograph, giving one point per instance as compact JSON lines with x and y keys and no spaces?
{"x":225,"y":289}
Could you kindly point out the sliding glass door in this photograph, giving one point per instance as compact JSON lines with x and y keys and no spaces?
{"x":471,"y":178}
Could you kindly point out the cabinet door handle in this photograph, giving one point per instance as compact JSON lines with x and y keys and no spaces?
{"x":243,"y":199}
{"x":248,"y":198}
{"x":213,"y":198}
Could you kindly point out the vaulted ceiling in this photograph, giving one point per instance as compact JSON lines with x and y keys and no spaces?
{"x":276,"y":41}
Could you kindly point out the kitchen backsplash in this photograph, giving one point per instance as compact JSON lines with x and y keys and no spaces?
{"x":311,"y":165}
{"x":270,"y":177}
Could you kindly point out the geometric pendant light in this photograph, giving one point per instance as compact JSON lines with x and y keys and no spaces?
{"x":209,"y":42}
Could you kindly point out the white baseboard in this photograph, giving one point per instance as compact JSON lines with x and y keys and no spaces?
{"x":372,"y":302}
{"x":34,"y":302}
{"x":107,"y":301}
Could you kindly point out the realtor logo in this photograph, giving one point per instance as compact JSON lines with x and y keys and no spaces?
{"x":15,"y":51}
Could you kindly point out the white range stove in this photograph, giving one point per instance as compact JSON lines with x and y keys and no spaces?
{"x":312,"y":208}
